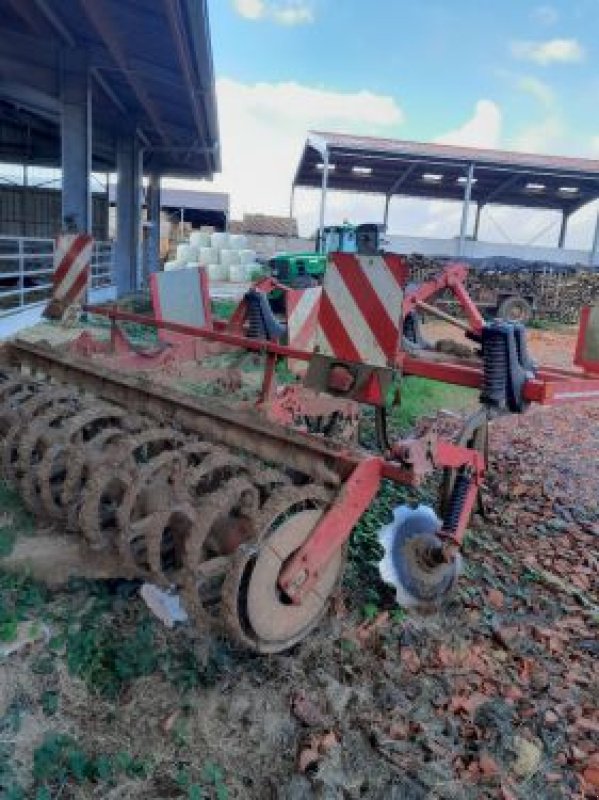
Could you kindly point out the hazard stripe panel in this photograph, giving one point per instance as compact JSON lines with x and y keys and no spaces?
{"x":360,"y":311}
{"x":72,"y":266}
{"x":302,"y":309}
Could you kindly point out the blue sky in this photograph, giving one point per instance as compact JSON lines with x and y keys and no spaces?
{"x":515,"y":74}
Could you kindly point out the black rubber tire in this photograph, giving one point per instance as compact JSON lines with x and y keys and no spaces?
{"x":515,"y":309}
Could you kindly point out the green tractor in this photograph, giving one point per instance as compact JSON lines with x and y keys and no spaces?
{"x":301,"y":270}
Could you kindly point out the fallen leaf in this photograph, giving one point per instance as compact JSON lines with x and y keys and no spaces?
{"x":168,"y":722}
{"x":306,"y":710}
{"x":468,"y":703}
{"x":410,"y":659}
{"x":307,"y":758}
{"x":591,"y":776}
{"x":327,"y":741}
{"x":488,"y":766}
{"x":495,"y":599}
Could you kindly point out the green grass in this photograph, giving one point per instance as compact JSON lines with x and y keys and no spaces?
{"x":223,"y":309}
{"x":421,"y":396}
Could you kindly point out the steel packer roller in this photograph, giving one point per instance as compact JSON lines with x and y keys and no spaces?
{"x":243,"y":513}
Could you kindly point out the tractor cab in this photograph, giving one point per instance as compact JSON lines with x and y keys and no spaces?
{"x":302,"y":270}
{"x":363,"y":239}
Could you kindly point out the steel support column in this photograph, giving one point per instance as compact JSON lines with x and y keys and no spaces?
{"x":594,"y":259}
{"x":386,"y":212}
{"x":153,"y":239}
{"x":465,"y":209}
{"x":323,"y":196}
{"x":128,"y":215}
{"x":76,"y":144}
{"x":563,"y":230}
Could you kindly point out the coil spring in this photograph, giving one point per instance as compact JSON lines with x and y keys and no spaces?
{"x":409,"y":328}
{"x":456,"y":503}
{"x":256,"y":327}
{"x":495,"y":364}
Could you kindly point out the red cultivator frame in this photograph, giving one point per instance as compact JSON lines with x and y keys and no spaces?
{"x":277,"y":577}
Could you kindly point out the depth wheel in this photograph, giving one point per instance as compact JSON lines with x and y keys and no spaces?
{"x":256,"y":612}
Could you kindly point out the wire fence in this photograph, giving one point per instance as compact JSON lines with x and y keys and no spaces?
{"x":27,"y":265}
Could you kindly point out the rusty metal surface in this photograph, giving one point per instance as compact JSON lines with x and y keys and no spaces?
{"x":156,"y":501}
{"x":240,"y":429}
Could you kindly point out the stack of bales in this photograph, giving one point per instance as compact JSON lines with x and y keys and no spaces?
{"x":226,"y":256}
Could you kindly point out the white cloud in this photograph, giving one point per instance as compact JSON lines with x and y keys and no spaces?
{"x":595,"y":146}
{"x":263,"y":129}
{"x":250,"y":9}
{"x":483,"y":129}
{"x":548,"y":52}
{"x":538,"y":89}
{"x":545,"y":15}
{"x":544,"y":137}
{"x":289,"y":12}
{"x":294,"y":14}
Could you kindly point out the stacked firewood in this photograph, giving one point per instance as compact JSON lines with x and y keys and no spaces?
{"x":558,"y":292}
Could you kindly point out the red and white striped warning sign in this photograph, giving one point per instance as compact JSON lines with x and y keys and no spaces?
{"x":72,"y":267}
{"x":361,"y":308}
{"x":302,"y":307}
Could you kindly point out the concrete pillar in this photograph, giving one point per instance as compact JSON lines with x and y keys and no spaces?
{"x":323,"y":196}
{"x":465,"y":209}
{"x":153,"y":256}
{"x":128,"y":215}
{"x":76,"y":144}
{"x":563,"y":230}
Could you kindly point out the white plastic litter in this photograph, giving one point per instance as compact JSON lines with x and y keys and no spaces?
{"x":165,"y":606}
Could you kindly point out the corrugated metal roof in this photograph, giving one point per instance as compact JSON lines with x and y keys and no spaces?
{"x":437,"y":171}
{"x":151,"y":74}
{"x":477,"y":155}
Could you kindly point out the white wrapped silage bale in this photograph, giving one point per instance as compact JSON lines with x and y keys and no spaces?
{"x":171,"y":265}
{"x":237,"y":241}
{"x":247,"y":256}
{"x":207,"y":255}
{"x":228,"y":258}
{"x":219,"y":240}
{"x":237,"y":273}
{"x":183,"y":252}
{"x":253,"y":271}
{"x":199,"y":239}
{"x":216,"y":272}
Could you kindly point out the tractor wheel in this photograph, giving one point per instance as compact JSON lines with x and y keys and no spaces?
{"x":515,"y":309}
